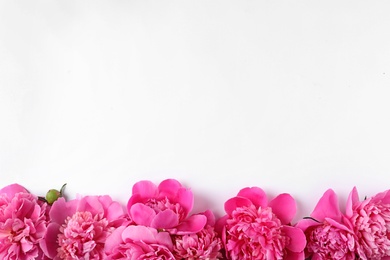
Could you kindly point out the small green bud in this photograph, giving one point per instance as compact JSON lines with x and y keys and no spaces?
{"x":53,"y":194}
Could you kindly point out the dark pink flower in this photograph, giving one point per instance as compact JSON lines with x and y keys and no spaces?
{"x":138,"y":243}
{"x":257,"y":229}
{"x":328,"y":235}
{"x":164,"y":207}
{"x":22,"y":224}
{"x":80,"y":227}
{"x":202,"y":245}
{"x":371,"y":222}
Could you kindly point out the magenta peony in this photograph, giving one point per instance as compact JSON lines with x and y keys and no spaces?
{"x":22,"y":224}
{"x":371,"y":222}
{"x":80,"y":227}
{"x":164,"y":207}
{"x":328,"y":235}
{"x":257,"y":229}
{"x":138,"y":243}
{"x":202,"y":245}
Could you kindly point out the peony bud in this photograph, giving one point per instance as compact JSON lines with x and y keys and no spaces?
{"x":53,"y":194}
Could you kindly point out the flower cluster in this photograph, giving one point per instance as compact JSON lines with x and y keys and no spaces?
{"x":158,"y":223}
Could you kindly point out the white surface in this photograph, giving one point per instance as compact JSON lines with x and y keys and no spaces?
{"x":289,"y":96}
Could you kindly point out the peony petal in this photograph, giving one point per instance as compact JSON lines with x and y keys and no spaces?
{"x":234,"y":203}
{"x":114,"y":211}
{"x":306,"y":223}
{"x":192,"y":224}
{"x":353,"y":198}
{"x":165,"y":220}
{"x":327,"y":207}
{"x":147,"y":235}
{"x":61,"y":209}
{"x":168,"y":188}
{"x":186,"y":199}
{"x":114,"y":239}
{"x":145,"y":189}
{"x":297,"y":238}
{"x":49,"y":244}
{"x":210,"y":217}
{"x":12,"y":189}
{"x":284,"y":207}
{"x":142,"y":214}
{"x":220,"y":224}
{"x":256,"y":195}
{"x":294,"y":256}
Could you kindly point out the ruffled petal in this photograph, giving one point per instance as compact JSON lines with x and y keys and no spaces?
{"x":284,"y":207}
{"x":254,"y":194}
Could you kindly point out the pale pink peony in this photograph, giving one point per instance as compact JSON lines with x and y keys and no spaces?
{"x":202,"y":245}
{"x":164,"y":207}
{"x":80,"y":227}
{"x":371,"y":221}
{"x":257,"y":229}
{"x":22,"y":224}
{"x":138,"y":243}
{"x":328,"y":235}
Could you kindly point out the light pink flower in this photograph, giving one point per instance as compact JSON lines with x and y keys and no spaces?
{"x":22,"y":224}
{"x":80,"y":227}
{"x":202,"y":245}
{"x":138,"y":243}
{"x":164,"y":207}
{"x":328,"y":235}
{"x":257,"y":229}
{"x":371,"y":221}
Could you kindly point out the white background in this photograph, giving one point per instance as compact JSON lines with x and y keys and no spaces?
{"x":290,"y":96}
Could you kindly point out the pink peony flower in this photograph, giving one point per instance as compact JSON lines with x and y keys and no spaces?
{"x":328,"y":235}
{"x":138,"y":243}
{"x":22,"y":224}
{"x":257,"y":229}
{"x":202,"y":245}
{"x":371,"y":222}
{"x":164,"y":207}
{"x":80,"y":227}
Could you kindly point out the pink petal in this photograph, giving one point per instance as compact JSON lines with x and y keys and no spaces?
{"x":165,"y":220}
{"x":234,"y":203}
{"x":114,"y":211}
{"x":254,"y":194}
{"x":148,"y":235}
{"x":146,"y":189}
{"x":61,"y":209}
{"x":168,"y":188}
{"x":142,"y":214}
{"x":294,"y":256}
{"x":284,"y":207}
{"x":220,"y":224}
{"x":353,"y":198}
{"x":49,"y":243}
{"x":12,"y":189}
{"x":210,"y":217}
{"x":114,"y":239}
{"x":306,"y":223}
{"x":186,"y":199}
{"x":297,"y":238}
{"x":327,"y":207}
{"x":192,"y":224}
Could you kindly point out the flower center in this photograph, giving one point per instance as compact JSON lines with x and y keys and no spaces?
{"x":256,"y":233}
{"x":83,"y":236}
{"x":159,"y":205}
